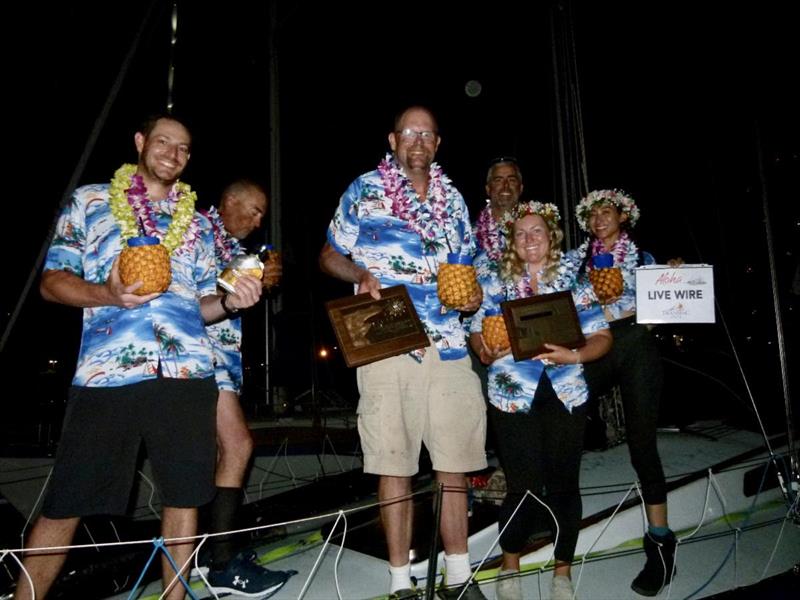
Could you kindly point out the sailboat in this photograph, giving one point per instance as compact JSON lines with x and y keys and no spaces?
{"x":733,"y":503}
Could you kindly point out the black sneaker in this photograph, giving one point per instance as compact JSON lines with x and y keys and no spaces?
{"x":404,"y":594}
{"x":244,"y":577}
{"x":473,"y":592}
{"x":660,"y":566}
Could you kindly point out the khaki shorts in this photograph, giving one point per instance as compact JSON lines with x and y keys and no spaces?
{"x":405,"y":403}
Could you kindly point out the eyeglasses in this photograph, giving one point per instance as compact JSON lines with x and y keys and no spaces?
{"x":409,"y":135}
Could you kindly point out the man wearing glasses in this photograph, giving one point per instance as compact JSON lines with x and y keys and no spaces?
{"x":395,"y":225}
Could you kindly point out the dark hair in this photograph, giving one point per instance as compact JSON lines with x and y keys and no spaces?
{"x":149,"y":122}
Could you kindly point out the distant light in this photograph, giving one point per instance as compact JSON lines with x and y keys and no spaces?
{"x":473,"y":88}
{"x":323,"y":353}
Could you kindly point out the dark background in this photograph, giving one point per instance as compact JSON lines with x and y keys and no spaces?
{"x":691,"y":109}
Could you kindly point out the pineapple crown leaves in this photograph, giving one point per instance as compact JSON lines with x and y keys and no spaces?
{"x":620,"y":199}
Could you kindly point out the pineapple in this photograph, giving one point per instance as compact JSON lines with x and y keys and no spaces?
{"x":495,"y":334}
{"x":147,"y":263}
{"x":456,"y":284}
{"x":607,"y":283}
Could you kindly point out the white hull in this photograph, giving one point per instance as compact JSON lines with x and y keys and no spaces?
{"x":728,"y":539}
{"x":711,"y":515}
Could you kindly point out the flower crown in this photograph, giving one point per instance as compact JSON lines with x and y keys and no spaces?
{"x":547,"y":210}
{"x":624,"y":204}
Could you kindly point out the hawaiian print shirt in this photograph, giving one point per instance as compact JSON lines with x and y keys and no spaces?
{"x":365,"y":228}
{"x":123,"y":346}
{"x":225,"y":336}
{"x":512,"y":385}
{"x":626,"y":257}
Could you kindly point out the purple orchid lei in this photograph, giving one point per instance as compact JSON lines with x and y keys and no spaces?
{"x":225,"y":245}
{"x":490,"y":236}
{"x":137,"y":198}
{"x":427,"y":219}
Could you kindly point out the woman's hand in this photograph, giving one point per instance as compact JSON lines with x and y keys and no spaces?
{"x":559,"y":355}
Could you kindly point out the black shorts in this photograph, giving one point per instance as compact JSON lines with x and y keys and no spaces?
{"x":103,"y":430}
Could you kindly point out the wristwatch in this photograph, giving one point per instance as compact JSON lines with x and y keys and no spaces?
{"x":231,"y":312}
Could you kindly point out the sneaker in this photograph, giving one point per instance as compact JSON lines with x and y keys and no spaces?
{"x":245,"y":578}
{"x":561,"y":588}
{"x":660,"y":566}
{"x":473,"y":592}
{"x":508,"y":586}
{"x":404,"y":594}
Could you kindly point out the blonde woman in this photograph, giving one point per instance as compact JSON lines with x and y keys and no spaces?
{"x":537,"y":406}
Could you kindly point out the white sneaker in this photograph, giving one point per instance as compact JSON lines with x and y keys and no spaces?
{"x":508,"y":588}
{"x":561,"y":588}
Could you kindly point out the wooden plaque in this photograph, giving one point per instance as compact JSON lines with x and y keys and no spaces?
{"x":370,"y":330}
{"x":549,"y":318}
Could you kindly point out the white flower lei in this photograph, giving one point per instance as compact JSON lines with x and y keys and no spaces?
{"x":624,"y":251}
{"x":564,"y":279}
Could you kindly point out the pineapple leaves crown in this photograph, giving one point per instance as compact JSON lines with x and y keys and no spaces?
{"x":620,"y":199}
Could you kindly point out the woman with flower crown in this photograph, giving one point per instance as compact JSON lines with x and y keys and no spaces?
{"x":538,"y":406}
{"x":633,"y":364}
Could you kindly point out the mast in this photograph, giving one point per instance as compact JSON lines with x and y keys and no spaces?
{"x":272,"y":305}
{"x":573,"y":180}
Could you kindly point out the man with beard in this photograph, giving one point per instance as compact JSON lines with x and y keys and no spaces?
{"x":145,"y":370}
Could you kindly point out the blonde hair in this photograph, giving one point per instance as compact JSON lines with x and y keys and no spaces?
{"x":512,"y":267}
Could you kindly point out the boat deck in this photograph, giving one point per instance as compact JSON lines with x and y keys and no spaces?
{"x":734,"y":546}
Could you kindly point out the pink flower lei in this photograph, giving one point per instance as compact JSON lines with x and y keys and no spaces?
{"x":225,"y":245}
{"x":623,"y":248}
{"x":426,"y":218}
{"x":490,"y":235}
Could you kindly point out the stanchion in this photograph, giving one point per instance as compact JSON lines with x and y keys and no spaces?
{"x":433,"y":561}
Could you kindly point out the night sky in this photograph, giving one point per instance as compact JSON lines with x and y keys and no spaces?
{"x":679,"y":105}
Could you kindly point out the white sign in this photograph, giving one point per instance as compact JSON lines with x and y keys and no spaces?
{"x":682,"y":294}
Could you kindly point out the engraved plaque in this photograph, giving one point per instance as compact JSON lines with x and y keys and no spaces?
{"x":370,"y":330}
{"x":549,"y":318}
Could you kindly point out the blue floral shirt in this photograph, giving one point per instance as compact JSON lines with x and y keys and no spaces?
{"x":626,"y":257}
{"x":512,"y":385}
{"x":123,"y":346}
{"x":225,"y":336}
{"x":365,"y":228}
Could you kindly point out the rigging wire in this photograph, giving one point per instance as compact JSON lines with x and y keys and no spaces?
{"x":78,"y":171}
{"x":568,"y":116}
{"x":787,"y":397}
{"x":173,"y":42}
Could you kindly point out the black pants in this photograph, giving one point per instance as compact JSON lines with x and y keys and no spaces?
{"x":540,"y":451}
{"x":635,"y":365}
